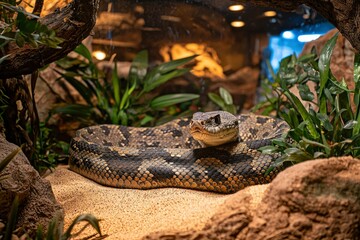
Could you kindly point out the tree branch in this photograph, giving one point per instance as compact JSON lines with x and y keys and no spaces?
{"x":72,"y":23}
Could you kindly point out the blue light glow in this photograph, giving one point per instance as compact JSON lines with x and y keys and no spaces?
{"x":308,"y":37}
{"x":288,"y":35}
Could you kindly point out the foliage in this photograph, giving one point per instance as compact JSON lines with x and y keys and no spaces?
{"x":22,"y":27}
{"x":224,"y":100}
{"x":55,"y":231}
{"x":48,"y":149}
{"x":130,"y":101}
{"x":330,"y":127}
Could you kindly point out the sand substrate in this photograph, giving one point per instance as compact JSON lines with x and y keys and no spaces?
{"x":131,"y":214}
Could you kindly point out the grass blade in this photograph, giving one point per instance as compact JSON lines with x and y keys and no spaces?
{"x":172,"y":99}
{"x":93,"y":221}
{"x":8,"y":158}
{"x":116,"y":85}
{"x":11,"y":223}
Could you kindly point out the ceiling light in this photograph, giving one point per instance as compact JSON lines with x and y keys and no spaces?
{"x":99,"y":55}
{"x":238,"y":24}
{"x":270,"y":14}
{"x":288,"y":35}
{"x":308,"y":37}
{"x":236,"y":8}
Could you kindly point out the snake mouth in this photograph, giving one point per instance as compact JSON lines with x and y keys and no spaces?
{"x":216,"y":138}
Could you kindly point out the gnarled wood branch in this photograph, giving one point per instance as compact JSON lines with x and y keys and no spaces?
{"x":72,"y":23}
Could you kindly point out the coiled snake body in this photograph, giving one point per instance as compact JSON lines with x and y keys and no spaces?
{"x":168,"y":156}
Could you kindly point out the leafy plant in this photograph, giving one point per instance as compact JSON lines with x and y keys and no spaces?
{"x":224,"y":100}
{"x":128,"y":101}
{"x":49,"y":150}
{"x":22,"y":27}
{"x":55,"y":229}
{"x":329,"y":127}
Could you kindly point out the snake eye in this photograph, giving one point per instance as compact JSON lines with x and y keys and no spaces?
{"x":217,"y":119}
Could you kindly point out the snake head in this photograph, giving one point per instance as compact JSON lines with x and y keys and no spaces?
{"x":214,"y":128}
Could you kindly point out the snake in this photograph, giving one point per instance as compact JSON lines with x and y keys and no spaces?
{"x":212,"y":151}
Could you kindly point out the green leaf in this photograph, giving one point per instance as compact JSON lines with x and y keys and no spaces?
{"x":146,"y":120}
{"x":124,"y":119}
{"x":268,"y":149}
{"x":304,"y":114}
{"x":324,"y":121}
{"x":294,"y":118}
{"x":82,"y":50}
{"x":226,"y":96}
{"x":357,"y":68}
{"x":80,"y":87}
{"x":230,"y":108}
{"x":306,"y":57}
{"x":350,"y":124}
{"x":76,"y":110}
{"x":314,"y":143}
{"x":139,"y":67}
{"x":116,"y":85}
{"x":324,"y":68}
{"x":172,"y":65}
{"x":159,"y":78}
{"x":171,"y":99}
{"x":305,"y":92}
{"x":217,"y":99}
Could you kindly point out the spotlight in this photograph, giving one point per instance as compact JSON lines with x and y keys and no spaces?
{"x":236,"y":8}
{"x":270,"y":14}
{"x":238,"y":24}
{"x":99,"y":55}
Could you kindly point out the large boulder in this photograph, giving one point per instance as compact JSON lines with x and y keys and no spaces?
{"x":37,"y":202}
{"x":317,"y":199}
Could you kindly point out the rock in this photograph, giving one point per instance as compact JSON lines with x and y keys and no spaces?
{"x":37,"y":201}
{"x":317,"y":199}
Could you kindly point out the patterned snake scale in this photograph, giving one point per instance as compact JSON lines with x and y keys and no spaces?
{"x":168,"y":156}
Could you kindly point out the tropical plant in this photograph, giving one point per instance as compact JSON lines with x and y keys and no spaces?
{"x":49,"y":150}
{"x":328,"y":127}
{"x":224,"y":100}
{"x":130,"y":101}
{"x":22,"y":27}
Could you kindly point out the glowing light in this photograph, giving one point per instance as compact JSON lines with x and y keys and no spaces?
{"x":288,"y":35}
{"x":236,"y":8}
{"x":238,"y":24}
{"x":99,"y":55}
{"x":308,"y":37}
{"x":270,"y":14}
